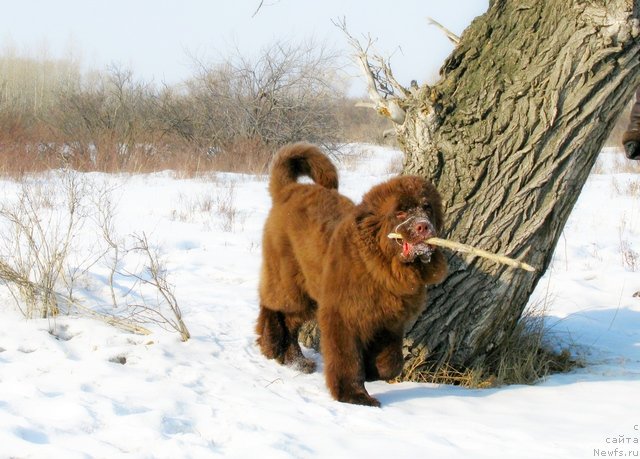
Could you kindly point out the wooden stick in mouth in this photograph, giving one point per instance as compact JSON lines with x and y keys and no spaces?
{"x":464,"y":248}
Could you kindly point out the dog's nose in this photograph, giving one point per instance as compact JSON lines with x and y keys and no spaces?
{"x":423,"y":228}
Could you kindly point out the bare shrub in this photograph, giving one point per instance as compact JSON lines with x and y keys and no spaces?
{"x":39,"y":230}
{"x":622,"y":165}
{"x":105,"y":219}
{"x":109,"y":120}
{"x":630,"y":258}
{"x":28,"y":86}
{"x":352,"y":157}
{"x":18,"y":159}
{"x":529,"y":356}
{"x":633,"y":188}
{"x":226,"y":209}
{"x":243,"y":155}
{"x":42,"y":256}
{"x":188,"y":206}
{"x":231,"y":116}
{"x":150,"y":297}
{"x":38,"y":240}
{"x":395,"y":165}
{"x":625,"y":187}
{"x":164,"y":311}
{"x":358,"y":124}
{"x":281,"y":96}
{"x":615,"y":162}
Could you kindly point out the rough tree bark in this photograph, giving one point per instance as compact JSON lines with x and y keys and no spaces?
{"x":508,"y":135}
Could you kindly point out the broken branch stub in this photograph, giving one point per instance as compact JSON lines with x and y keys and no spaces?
{"x":382,"y":87}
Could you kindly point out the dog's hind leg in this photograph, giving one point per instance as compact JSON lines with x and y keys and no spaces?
{"x":278,"y":336}
{"x":272,"y":333}
{"x":293,"y":354}
{"x":284,"y":306}
{"x":383,"y":358}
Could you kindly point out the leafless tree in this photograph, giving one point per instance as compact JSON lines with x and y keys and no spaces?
{"x":508,"y":135}
{"x":106,"y":118}
{"x":281,"y":96}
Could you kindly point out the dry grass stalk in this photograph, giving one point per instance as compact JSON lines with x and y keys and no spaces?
{"x":11,"y":276}
{"x":156,"y":278}
{"x":153,"y":276}
{"x":37,"y":243}
{"x":464,"y":248}
{"x":109,"y":319}
{"x":526,"y":356}
{"x":40,"y":232}
{"x":446,"y":374}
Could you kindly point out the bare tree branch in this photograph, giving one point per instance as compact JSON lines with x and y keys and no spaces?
{"x":257,"y":9}
{"x":260,"y":7}
{"x":381,"y":84}
{"x":453,"y":38}
{"x":388,"y":75}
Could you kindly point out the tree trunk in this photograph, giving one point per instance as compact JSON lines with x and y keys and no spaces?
{"x":509,"y":135}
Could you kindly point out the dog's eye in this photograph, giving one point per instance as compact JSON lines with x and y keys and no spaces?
{"x":401,"y":215}
{"x":427,"y":207}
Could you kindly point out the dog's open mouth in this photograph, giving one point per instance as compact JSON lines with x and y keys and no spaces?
{"x":413,"y":235}
{"x":421,"y":250}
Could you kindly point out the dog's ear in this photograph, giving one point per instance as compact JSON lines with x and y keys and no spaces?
{"x":367,"y":221}
{"x":364,"y":212}
{"x":367,"y":226}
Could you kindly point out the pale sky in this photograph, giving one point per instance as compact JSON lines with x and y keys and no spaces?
{"x":155,"y":37}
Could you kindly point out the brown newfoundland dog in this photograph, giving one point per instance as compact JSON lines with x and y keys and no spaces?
{"x":325,"y":256}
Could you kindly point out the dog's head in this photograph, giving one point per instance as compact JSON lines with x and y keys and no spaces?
{"x":409,"y":206}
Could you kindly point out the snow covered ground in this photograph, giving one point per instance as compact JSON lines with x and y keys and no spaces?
{"x":65,"y":393}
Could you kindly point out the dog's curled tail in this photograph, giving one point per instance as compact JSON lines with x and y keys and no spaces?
{"x":298,"y":159}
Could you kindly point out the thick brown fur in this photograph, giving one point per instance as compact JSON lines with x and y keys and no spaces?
{"x":324,"y":256}
{"x":631,"y":137}
{"x":632,"y":134}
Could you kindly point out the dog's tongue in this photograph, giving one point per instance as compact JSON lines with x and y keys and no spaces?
{"x":406,"y":249}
